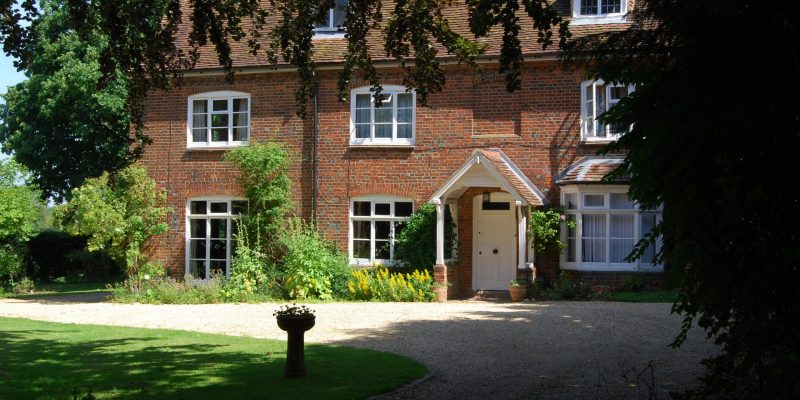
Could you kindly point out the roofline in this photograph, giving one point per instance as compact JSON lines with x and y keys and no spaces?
{"x":558,"y":178}
{"x":521,"y":176}
{"x":337,"y":65}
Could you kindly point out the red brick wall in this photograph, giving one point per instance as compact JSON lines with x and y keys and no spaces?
{"x":537,"y":127}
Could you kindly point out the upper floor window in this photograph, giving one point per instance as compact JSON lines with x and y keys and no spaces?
{"x":392,"y":123}
{"x":607,"y":226}
{"x":219,"y":119}
{"x":598,"y":11}
{"x":374,"y":224}
{"x":334,"y":22}
{"x":598,"y":97}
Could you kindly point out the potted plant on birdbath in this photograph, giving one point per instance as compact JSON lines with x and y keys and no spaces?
{"x":517,"y":289}
{"x":295,"y":320}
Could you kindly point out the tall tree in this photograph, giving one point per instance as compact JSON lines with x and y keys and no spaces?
{"x":715,"y":128}
{"x":57,"y":122}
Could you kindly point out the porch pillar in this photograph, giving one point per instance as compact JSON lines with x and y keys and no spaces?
{"x":522,"y":224}
{"x":439,"y":270}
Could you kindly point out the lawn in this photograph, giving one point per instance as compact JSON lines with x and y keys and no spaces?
{"x":43,"y":360}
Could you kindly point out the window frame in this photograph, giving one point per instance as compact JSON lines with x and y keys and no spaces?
{"x":209,"y":97}
{"x":230,"y":219}
{"x":372,"y":218}
{"x":599,"y":18}
{"x":577,"y":215}
{"x":585,"y":137}
{"x":331,"y":31}
{"x":372,"y":140}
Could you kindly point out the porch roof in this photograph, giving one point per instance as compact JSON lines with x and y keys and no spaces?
{"x":491,"y":167}
{"x":590,"y":169}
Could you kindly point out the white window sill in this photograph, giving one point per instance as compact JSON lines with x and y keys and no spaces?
{"x":597,"y":140}
{"x":406,"y":146}
{"x":598,"y":19}
{"x":215,"y":147}
{"x":612,"y":267}
{"x":334,"y":34}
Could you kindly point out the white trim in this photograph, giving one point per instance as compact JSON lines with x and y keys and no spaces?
{"x":228,"y":216}
{"x":606,"y":210}
{"x":609,"y":18}
{"x":209,"y":97}
{"x":372,"y":218}
{"x":387,"y":142}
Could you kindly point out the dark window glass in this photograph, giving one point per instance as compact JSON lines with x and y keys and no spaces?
{"x":402,"y":209}
{"x":197,"y":207}
{"x":362,"y":208}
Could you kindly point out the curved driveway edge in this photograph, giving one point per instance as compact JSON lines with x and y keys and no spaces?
{"x":475,"y":350}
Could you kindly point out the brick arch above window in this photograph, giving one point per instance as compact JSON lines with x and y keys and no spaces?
{"x":382,"y":189}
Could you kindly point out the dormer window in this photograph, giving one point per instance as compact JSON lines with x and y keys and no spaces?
{"x":334,"y":22}
{"x":598,"y":11}
{"x":598,"y":97}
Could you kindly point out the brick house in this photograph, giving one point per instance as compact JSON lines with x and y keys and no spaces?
{"x":488,"y":155}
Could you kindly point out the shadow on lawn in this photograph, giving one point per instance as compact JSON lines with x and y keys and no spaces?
{"x":159,"y":367}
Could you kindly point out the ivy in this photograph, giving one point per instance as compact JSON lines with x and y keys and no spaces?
{"x":545,"y":228}
{"x":415,"y":245}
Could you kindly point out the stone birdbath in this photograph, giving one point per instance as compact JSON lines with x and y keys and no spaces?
{"x":295,"y":320}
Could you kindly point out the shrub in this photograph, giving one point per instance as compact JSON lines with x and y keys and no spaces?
{"x":252,"y":272}
{"x":10,"y":262}
{"x":312,"y":266}
{"x":119,"y":214}
{"x":47,"y":254}
{"x":416,"y":242}
{"x":545,"y":228}
{"x":168,"y":290}
{"x":632,"y":283}
{"x":566,"y":287}
{"x":381,"y":285}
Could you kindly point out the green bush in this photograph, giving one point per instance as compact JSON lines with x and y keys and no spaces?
{"x":416,"y":242}
{"x":378,"y":284}
{"x":566,"y":287}
{"x":632,"y":283}
{"x":312,"y":266}
{"x":253,"y":274}
{"x":10,"y":263}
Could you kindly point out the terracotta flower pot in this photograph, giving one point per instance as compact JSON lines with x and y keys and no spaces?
{"x":517,"y":293}
{"x":295,"y":326}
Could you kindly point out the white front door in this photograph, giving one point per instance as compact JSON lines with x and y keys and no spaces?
{"x":494,"y":251}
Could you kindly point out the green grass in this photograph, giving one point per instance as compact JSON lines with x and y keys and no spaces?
{"x":661,"y":296}
{"x":43,"y":360}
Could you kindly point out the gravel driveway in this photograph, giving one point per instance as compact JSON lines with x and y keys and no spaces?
{"x":475,"y":350}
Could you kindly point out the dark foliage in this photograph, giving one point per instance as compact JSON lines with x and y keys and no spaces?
{"x":53,"y":254}
{"x":715,"y":131}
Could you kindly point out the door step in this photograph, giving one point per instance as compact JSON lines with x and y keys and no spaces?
{"x":491,"y":295}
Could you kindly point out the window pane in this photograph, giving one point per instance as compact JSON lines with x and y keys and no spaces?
{"x":240,"y":105}
{"x":362,"y":116}
{"x":197,"y":269}
{"x":383,"y":114}
{"x":240,"y":119}
{"x":220,"y":105}
{"x":594,"y":200}
{"x":361,"y":229}
{"x":362,"y":131}
{"x":197,"y":228}
{"x":219,"y":207}
{"x":197,"y":207}
{"x":218,"y":120}
{"x":594,"y":238}
{"x":199,"y":120}
{"x":218,"y":267}
{"x":382,"y":209}
{"x":197,"y":248}
{"x":219,"y":249}
{"x":363,"y":100}
{"x":382,"y":251}
{"x":611,"y":6}
{"x":648,"y":221}
{"x":239,"y":134}
{"x":405,"y":100}
{"x":402,"y":209}
{"x":383,"y":131}
{"x":219,"y":135}
{"x":199,"y":135}
{"x":571,"y":250}
{"x":617,"y":92}
{"x":404,"y":131}
{"x":403,"y":115}
{"x":620,"y":201}
{"x":219,"y":228}
{"x":621,"y":226}
{"x":588,"y":7}
{"x":239,"y":207}
{"x":571,"y":200}
{"x":382,"y":229}
{"x":339,"y":13}
{"x":620,"y":248}
{"x":199,"y":106}
{"x":360,"y":249}
{"x":362,"y":208}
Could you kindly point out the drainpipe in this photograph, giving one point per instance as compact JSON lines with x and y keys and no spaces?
{"x":314,"y":157}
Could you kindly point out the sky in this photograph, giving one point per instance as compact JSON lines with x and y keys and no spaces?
{"x":8,"y":77}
